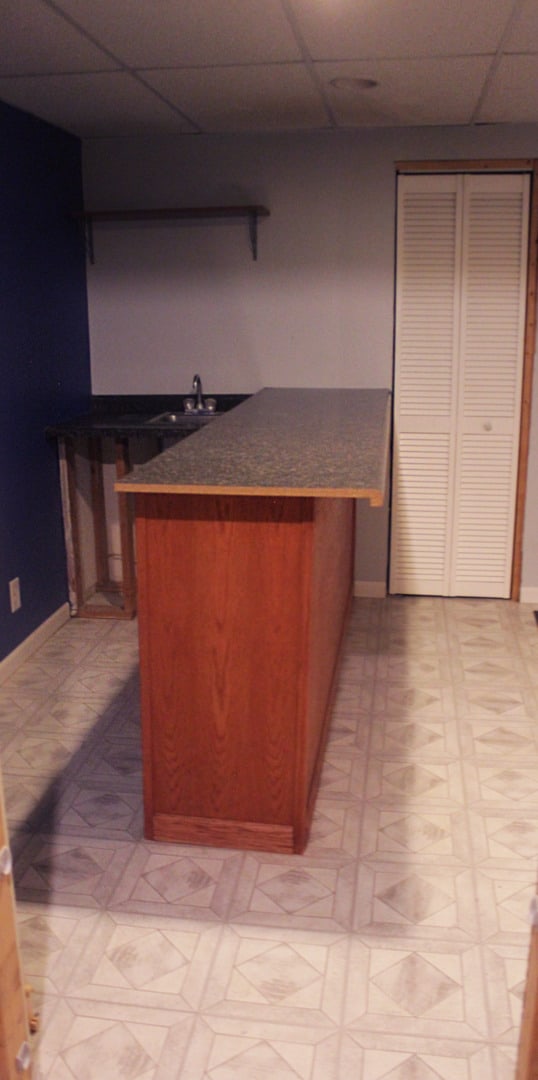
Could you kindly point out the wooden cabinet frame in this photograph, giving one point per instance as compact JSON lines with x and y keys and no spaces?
{"x":242,"y":609}
{"x":80,"y":603}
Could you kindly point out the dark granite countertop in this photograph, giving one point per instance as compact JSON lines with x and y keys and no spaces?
{"x":282,"y":442}
{"x":133,"y":415}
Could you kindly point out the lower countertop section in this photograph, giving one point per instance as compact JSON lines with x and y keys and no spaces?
{"x":137,"y":415}
{"x":314,"y":442}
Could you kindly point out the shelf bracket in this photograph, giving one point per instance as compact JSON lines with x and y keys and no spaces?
{"x":253,"y":233}
{"x":88,"y":238}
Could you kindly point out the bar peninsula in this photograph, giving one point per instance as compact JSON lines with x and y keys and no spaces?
{"x":245,"y":547}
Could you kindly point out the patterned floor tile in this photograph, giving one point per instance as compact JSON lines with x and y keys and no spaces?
{"x":504,"y":704}
{"x":83,"y":1040}
{"x":335,"y":829}
{"x":430,"y":782}
{"x":350,"y":731}
{"x":64,"y":715}
{"x":183,"y":880}
{"x":296,"y":977}
{"x":506,"y":968}
{"x":435,"y":986}
{"x":395,"y":948}
{"x":35,"y":677}
{"x":149,"y":962}
{"x":77,"y":870}
{"x":383,"y":1056}
{"x":353,"y":699}
{"x":485,"y":739}
{"x":416,"y":901}
{"x":300,"y":891}
{"x":51,"y":940}
{"x":89,"y":810}
{"x":504,"y":898}
{"x":224,"y":1048}
{"x":25,"y":799}
{"x":113,"y":763}
{"x":403,"y":834}
{"x":13,"y":713}
{"x":342,"y":775}
{"x":31,"y":754}
{"x":506,"y":839}
{"x":504,"y":785}
{"x":413,"y":702}
{"x":121,"y":655}
{"x":357,"y":667}
{"x":417,"y":666}
{"x":91,"y":679}
{"x":429,"y":738}
{"x":489,"y":671}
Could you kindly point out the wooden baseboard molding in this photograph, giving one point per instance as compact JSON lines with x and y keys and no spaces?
{"x":528,"y":594}
{"x":373,"y":589}
{"x":10,"y":663}
{"x":177,"y":828}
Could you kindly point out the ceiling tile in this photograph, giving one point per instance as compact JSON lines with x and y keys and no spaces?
{"x":512,"y":96}
{"x":348,"y":29}
{"x":409,"y":92}
{"x":262,"y":98}
{"x":523,"y":36}
{"x":189,"y":32}
{"x":36,"y":41}
{"x":111,"y":103}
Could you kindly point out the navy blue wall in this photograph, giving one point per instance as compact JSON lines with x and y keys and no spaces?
{"x":44,"y":366}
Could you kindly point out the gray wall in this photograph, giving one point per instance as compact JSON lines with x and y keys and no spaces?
{"x":315,"y":310}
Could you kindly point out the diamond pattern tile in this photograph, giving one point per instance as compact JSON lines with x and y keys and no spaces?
{"x":395,"y":948}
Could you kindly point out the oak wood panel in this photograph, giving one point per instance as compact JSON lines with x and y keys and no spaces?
{"x":128,"y":586}
{"x":13,"y":1008}
{"x":95,"y":449}
{"x":527,"y":1062}
{"x":253,"y":835}
{"x":526,"y":390}
{"x":223,"y":662}
{"x":74,"y":561}
{"x":330,"y":595}
{"x":241,"y":613}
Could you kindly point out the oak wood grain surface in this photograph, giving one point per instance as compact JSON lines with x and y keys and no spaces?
{"x":238,"y":652}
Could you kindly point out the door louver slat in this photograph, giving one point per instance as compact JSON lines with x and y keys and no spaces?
{"x":460,"y":295}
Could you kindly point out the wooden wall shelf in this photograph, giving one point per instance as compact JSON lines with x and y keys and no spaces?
{"x":190,"y":213}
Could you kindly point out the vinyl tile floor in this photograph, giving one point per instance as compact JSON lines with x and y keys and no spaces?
{"x":395,"y":948}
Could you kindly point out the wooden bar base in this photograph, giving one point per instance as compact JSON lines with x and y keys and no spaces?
{"x":242,"y":607}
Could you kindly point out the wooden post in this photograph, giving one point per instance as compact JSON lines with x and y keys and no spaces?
{"x":14,"y":1034}
{"x":527,"y":1062}
{"x":126,"y":532}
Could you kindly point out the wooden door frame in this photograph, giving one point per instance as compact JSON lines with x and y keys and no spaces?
{"x":529,"y":166}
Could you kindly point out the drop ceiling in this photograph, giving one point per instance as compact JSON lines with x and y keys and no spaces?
{"x":112,"y":68}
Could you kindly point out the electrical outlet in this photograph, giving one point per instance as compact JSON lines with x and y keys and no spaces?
{"x":15,"y":594}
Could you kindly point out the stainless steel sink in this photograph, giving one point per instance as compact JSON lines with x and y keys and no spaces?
{"x":179,"y":418}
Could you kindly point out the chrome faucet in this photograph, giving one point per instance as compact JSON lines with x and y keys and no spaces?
{"x":197,"y":389}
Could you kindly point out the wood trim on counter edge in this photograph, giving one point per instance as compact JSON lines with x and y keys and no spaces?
{"x":374,"y":495}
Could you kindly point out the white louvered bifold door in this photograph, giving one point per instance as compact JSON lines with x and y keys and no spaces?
{"x":492,"y":325}
{"x":460,"y":297}
{"x":425,"y":398}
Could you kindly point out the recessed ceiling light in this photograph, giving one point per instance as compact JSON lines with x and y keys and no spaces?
{"x":353,"y":84}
